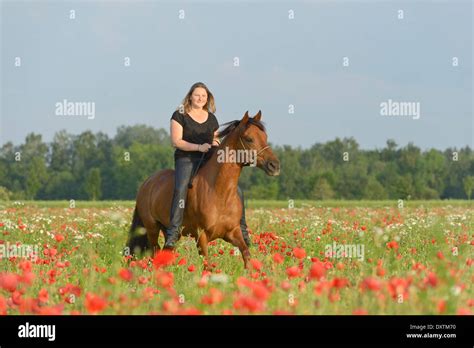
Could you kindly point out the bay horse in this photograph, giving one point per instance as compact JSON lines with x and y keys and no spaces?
{"x":213,"y":207}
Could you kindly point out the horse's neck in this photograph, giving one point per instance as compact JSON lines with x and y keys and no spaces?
{"x":223,"y":177}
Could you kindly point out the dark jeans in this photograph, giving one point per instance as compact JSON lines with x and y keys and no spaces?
{"x":184,"y":167}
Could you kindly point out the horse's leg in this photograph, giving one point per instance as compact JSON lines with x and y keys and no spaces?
{"x":235,"y":238}
{"x":153,"y":232}
{"x":202,"y":242}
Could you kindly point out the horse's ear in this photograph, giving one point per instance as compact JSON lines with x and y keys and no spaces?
{"x":258,"y":116}
{"x":245,"y":119}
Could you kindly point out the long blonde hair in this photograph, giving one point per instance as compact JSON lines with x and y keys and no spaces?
{"x":186,"y":103}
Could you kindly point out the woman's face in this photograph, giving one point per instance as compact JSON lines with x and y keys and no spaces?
{"x":199,"y":98}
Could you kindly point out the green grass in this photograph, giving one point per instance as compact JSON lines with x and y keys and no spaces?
{"x":95,"y":232}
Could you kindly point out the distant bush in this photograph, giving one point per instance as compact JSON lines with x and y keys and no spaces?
{"x":5,"y":195}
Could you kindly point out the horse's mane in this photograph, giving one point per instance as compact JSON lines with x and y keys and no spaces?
{"x":230,"y":126}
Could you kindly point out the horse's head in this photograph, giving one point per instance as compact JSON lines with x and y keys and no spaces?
{"x":248,"y":136}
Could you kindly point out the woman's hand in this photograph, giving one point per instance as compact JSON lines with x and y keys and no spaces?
{"x":204,"y":147}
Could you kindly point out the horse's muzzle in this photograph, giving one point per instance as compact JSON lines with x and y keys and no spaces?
{"x":272,"y":167}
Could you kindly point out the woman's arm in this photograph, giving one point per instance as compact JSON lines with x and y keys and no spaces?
{"x":176,"y":132}
{"x":216,"y":141}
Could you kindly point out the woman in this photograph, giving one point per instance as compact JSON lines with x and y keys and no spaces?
{"x":193,"y":131}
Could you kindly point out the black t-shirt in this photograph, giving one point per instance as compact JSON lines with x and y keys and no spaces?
{"x":195,"y":132}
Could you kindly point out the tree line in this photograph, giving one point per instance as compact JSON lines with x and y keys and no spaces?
{"x":93,"y":166}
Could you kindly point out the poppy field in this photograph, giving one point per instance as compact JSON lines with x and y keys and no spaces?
{"x":314,"y":258}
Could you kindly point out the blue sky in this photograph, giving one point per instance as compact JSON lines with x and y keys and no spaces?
{"x":282,"y":62}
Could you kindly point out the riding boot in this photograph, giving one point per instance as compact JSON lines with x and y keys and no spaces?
{"x":172,"y":237}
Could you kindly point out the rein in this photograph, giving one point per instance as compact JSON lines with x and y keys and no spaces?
{"x":190,"y":184}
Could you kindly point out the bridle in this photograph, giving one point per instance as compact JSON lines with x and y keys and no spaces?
{"x":190,"y":184}
{"x":258,"y":152}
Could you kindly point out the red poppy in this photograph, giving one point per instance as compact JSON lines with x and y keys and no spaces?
{"x":278,"y":258}
{"x":285,"y":285}
{"x":293,"y":271}
{"x":360,"y":311}
{"x":52,"y":276}
{"x":299,"y":253}
{"x":59,"y":238}
{"x":371,"y":284}
{"x":317,"y":270}
{"x":339,"y":283}
{"x":260,"y":291}
{"x":3,"y":306}
{"x":25,"y":266}
{"x":256,"y":264}
{"x":70,"y":289}
{"x":142,"y":280}
{"x":56,"y":310}
{"x":380,"y":271}
{"x":29,"y":305}
{"x":43,"y":296}
{"x":60,"y":264}
{"x":28,"y":277}
{"x":431,"y":279}
{"x":392,"y":245}
{"x":126,"y":274}
{"x":441,"y":306}
{"x":8,"y":281}
{"x":171,"y":306}
{"x":398,"y":286}
{"x":94,"y":303}
{"x":17,"y":297}
{"x":164,"y":258}
{"x":190,"y":311}
{"x":165,"y":279}
{"x":215,"y":296}
{"x":248,"y":303}
{"x":334,"y":296}
{"x":463,"y":311}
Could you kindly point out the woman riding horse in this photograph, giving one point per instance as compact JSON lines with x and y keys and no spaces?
{"x":213,"y":206}
{"x":193,"y":132}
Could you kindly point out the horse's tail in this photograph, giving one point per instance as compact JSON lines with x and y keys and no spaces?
{"x":137,"y":240}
